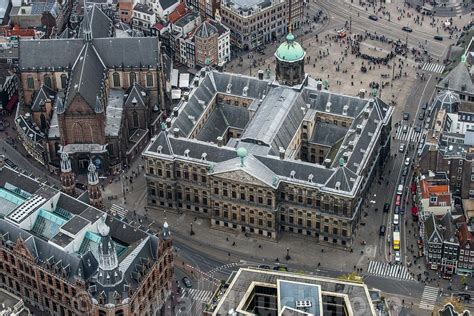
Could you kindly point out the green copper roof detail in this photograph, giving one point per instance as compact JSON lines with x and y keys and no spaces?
{"x":290,"y":50}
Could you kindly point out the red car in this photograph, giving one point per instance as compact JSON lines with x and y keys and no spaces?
{"x":398,"y":201}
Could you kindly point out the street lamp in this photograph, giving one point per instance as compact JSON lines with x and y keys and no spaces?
{"x":191,"y":232}
{"x":287,"y":254}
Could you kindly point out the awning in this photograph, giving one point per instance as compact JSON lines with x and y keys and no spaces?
{"x":11,"y":103}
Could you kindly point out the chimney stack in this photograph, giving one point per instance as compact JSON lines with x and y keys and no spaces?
{"x":176,"y":132}
{"x":220,"y":141}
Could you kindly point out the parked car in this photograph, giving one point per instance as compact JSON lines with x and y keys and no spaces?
{"x":264,"y":266}
{"x":386,"y":207}
{"x":398,"y":201}
{"x":418,"y":129}
{"x":373,"y":17}
{"x":406,"y":116}
{"x":382,"y":230}
{"x":396,"y":228}
{"x":405,"y":129}
{"x":402,"y":148}
{"x":407,"y":29}
{"x":187,"y":282}
{"x":397,"y":209}
{"x":438,"y":38}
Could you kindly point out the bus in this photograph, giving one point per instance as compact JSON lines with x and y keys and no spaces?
{"x":396,"y":240}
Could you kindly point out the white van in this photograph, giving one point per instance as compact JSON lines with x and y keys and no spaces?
{"x":395,"y":219}
{"x":400,"y":189}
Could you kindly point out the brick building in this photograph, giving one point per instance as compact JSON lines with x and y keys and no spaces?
{"x":66,"y":257}
{"x":105,"y":89}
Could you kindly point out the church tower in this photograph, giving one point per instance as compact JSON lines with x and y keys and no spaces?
{"x":68,"y":180}
{"x":95,"y":195}
{"x":290,"y":62}
{"x":109,"y":273}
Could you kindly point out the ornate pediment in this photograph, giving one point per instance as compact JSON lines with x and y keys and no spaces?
{"x":242,"y":177}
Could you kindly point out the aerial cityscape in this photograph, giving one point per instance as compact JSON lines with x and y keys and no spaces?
{"x":237,"y":157}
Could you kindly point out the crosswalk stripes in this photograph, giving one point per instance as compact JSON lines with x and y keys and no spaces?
{"x":120,"y":211}
{"x":394,"y":271}
{"x":429,"y":297}
{"x":200,"y":295}
{"x":433,"y":67}
{"x":411,"y":135}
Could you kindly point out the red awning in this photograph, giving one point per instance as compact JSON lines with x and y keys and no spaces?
{"x":11,"y":103}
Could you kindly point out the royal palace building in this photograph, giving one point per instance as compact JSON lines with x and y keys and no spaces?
{"x":262,"y":158}
{"x":63,"y":256}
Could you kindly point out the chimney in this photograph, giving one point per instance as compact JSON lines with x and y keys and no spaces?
{"x":203,"y":72}
{"x":371,"y":103}
{"x":260,"y":74}
{"x":319,"y":85}
{"x":351,"y":145}
{"x":366,"y":113}
{"x":345,"y":156}
{"x":328,"y":107}
{"x":168,"y":122}
{"x":362,"y":93}
{"x":176,"y":132}
{"x":327,"y":163}
{"x":359,"y":129}
{"x":282,"y":153}
{"x":175,"y":111}
{"x":220,"y":141}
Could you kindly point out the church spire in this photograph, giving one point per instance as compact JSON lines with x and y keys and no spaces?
{"x":95,"y":195}
{"x":109,"y":273}
{"x":68,"y":180}
{"x":86,"y":25}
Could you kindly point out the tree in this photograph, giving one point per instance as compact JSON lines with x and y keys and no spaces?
{"x":351,"y":277}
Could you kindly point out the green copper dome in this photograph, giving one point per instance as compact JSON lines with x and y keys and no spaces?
{"x":290,"y":50}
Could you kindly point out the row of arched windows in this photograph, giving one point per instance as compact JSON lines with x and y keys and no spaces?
{"x":132,"y":78}
{"x":48,"y":81}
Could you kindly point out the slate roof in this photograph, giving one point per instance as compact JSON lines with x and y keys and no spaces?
{"x":138,"y":249}
{"x":165,"y":4}
{"x":143,"y":8}
{"x":327,"y":133}
{"x":135,"y":96}
{"x":43,"y":94}
{"x":457,"y":78}
{"x":88,"y":71}
{"x":270,"y":120}
{"x":100,"y":24}
{"x":223,"y":117}
{"x":206,"y":30}
{"x":36,"y":54}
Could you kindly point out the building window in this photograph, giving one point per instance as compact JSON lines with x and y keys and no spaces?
{"x":133,"y":78}
{"x":116,"y":79}
{"x":135,"y":119}
{"x":30,"y":82}
{"x":47,"y":81}
{"x":63,"y":81}
{"x":149,"y":79}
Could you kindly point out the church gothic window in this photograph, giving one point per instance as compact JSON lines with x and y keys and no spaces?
{"x":30,"y":82}
{"x":63,"y":81}
{"x":47,"y":81}
{"x":78,"y":133}
{"x":116,"y":79}
{"x":133,"y":78}
{"x":149,"y":79}
{"x":135,"y":119}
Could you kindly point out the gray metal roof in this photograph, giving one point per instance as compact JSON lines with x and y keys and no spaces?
{"x":223,"y":117}
{"x":165,"y":4}
{"x":43,"y":94}
{"x":278,"y":111}
{"x":113,"y":122}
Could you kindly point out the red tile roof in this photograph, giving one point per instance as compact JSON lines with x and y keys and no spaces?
{"x":177,"y":13}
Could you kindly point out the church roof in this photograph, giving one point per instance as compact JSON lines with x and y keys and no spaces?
{"x":290,"y":50}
